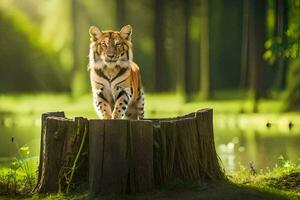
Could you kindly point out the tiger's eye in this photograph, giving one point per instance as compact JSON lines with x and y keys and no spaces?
{"x":118,"y":45}
{"x":103,"y":44}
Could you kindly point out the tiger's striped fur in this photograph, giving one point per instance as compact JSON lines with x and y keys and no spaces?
{"x":115,"y":78}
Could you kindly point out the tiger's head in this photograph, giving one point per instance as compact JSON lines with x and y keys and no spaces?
{"x":110,"y":48}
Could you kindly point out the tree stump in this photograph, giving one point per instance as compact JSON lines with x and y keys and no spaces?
{"x":63,"y":147}
{"x":120,"y":156}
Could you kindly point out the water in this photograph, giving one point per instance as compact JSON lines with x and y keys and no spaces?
{"x":264,"y":149}
{"x":236,"y":145}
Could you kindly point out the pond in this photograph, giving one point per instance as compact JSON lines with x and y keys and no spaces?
{"x":236,"y":145}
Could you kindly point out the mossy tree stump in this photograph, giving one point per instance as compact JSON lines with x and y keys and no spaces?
{"x":119,"y":156}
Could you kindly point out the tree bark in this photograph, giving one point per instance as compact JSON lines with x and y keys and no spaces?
{"x":62,"y":148}
{"x":42,"y":144}
{"x":120,"y":156}
{"x":185,"y":148}
{"x":141,"y":169}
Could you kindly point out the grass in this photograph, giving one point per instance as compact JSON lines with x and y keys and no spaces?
{"x":230,"y":112}
{"x":170,"y":103}
{"x":281,"y":182}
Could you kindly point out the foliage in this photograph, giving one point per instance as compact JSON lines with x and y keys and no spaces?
{"x":25,"y":64}
{"x":292,"y":98}
{"x":272,"y":179}
{"x":19,"y":177}
{"x":288,"y":44}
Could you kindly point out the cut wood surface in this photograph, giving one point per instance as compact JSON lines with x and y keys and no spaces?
{"x":120,"y":156}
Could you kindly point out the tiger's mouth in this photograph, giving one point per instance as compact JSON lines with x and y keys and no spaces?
{"x":109,"y":60}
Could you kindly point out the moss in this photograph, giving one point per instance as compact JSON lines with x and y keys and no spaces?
{"x":287,"y":182}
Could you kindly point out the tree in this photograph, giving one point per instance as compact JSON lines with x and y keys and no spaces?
{"x":79,"y":75}
{"x":205,"y":75}
{"x":253,"y":48}
{"x":281,"y":23}
{"x":292,"y":53}
{"x":292,"y":98}
{"x":160,"y":68}
{"x":120,"y":11}
{"x":245,"y":46}
{"x":187,"y":56}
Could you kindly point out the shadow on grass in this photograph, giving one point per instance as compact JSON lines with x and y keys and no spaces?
{"x":227,"y":190}
{"x":181,"y":191}
{"x":207,"y":191}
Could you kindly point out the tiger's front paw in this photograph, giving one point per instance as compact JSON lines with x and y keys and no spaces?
{"x":117,"y":116}
{"x":106,"y":116}
{"x":119,"y":113}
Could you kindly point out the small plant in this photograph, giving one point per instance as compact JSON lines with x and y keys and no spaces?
{"x":19,"y":176}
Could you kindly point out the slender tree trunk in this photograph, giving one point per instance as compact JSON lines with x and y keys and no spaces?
{"x":159,"y":51}
{"x":176,"y":10}
{"x":120,"y":5}
{"x":79,"y":25}
{"x":187,"y":56}
{"x":79,"y":82}
{"x":256,"y":50}
{"x":74,"y":11}
{"x":205,"y":77}
{"x":280,"y":29}
{"x":245,"y":46}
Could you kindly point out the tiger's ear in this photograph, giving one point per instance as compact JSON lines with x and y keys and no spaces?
{"x":95,"y":33}
{"x":126,"y":32}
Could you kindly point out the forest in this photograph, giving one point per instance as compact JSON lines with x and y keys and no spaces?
{"x":181,"y":46}
{"x":239,"y":57}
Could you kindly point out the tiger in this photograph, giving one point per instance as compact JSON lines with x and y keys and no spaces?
{"x":115,"y":79}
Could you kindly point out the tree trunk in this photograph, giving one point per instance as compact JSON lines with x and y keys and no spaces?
{"x":205,"y":77}
{"x":120,"y":156}
{"x":79,"y":82}
{"x":257,"y":34}
{"x":109,"y":162}
{"x":63,"y":147}
{"x":74,"y":72}
{"x":160,"y":68}
{"x":187,"y":56}
{"x":42,"y":144}
{"x":120,"y":4}
{"x":185,"y":148}
{"x":245,"y":46}
{"x":280,"y":30}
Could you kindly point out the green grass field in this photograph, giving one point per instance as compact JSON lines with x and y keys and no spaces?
{"x":280,"y":183}
{"x":156,"y":104}
{"x":25,"y":108}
